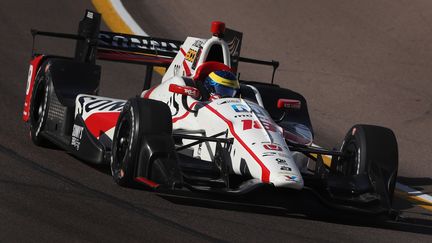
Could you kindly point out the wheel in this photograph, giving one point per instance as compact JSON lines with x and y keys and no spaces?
{"x":39,"y":107}
{"x":371,"y":150}
{"x":122,"y":162}
{"x":142,"y":125}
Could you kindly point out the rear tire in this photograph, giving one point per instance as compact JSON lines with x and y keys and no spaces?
{"x":371,"y":150}
{"x":39,"y":107}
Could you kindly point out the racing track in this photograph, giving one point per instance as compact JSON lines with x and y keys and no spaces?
{"x":366,"y":62}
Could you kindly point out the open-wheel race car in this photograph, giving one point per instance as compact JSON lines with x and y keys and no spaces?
{"x":200,"y":128}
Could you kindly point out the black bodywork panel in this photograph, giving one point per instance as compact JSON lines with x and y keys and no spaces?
{"x":85,"y":146}
{"x":270,"y":94}
{"x":71,"y":78}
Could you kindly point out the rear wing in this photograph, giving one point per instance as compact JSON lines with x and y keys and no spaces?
{"x":136,"y":49}
{"x":94,"y":44}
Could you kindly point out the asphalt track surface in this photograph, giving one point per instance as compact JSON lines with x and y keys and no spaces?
{"x":365,"y":62}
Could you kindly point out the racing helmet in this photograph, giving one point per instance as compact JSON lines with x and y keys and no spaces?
{"x":222,"y":83}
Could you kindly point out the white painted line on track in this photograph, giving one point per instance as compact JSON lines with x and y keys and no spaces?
{"x":127,"y":18}
{"x":414,"y":192}
{"x":411,"y":193}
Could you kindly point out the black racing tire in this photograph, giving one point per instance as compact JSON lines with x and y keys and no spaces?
{"x":371,"y":150}
{"x":39,"y":107}
{"x":138,"y":119}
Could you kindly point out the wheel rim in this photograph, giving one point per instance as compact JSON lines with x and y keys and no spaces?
{"x":351,"y":163}
{"x":122,"y":145}
{"x":39,"y":104}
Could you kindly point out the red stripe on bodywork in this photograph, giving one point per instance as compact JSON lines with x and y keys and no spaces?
{"x":265,"y":172}
{"x":186,"y":68}
{"x":183,"y":51}
{"x":147,"y":182}
{"x":101,"y":122}
{"x":175,"y":119}
{"x":147,"y":94}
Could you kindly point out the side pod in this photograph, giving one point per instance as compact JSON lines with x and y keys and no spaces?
{"x":85,"y":146}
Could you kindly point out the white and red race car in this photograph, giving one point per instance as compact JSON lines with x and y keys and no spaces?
{"x":177,"y":134}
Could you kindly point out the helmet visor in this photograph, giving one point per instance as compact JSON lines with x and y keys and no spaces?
{"x":219,"y":89}
{"x":225,"y":91}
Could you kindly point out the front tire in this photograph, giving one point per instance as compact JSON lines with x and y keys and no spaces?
{"x":371,"y":150}
{"x":142,"y":144}
{"x":124,"y":148}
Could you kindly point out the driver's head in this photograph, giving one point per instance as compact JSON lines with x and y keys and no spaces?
{"x":222,"y":83}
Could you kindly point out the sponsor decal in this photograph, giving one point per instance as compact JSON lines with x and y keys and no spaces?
{"x":291,"y":178}
{"x":184,"y":90}
{"x":90,"y":15}
{"x":257,"y":110}
{"x":225,"y":101}
{"x":285,"y":168}
{"x":191,"y":55}
{"x":34,"y":63}
{"x":243,"y":116}
{"x":194,"y":53}
{"x":191,"y":92}
{"x":91,"y":103}
{"x":281,"y":162}
{"x":240,"y":108}
{"x":265,"y":154}
{"x":195,"y":61}
{"x":274,"y":147}
{"x":130,"y":42}
{"x":249,"y":124}
{"x":198,"y":43}
{"x":76,"y":136}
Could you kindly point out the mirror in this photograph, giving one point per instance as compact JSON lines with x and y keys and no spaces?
{"x":288,"y":104}
{"x":185,"y":90}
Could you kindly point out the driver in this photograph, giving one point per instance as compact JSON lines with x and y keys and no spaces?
{"x":222,"y":84}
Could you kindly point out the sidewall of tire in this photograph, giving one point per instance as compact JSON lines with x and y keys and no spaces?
{"x":143,"y":125}
{"x":42,"y":78}
{"x":133,"y":150}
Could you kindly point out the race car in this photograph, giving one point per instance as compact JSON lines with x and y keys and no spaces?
{"x":200,"y":128}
